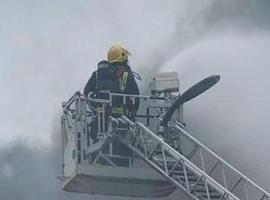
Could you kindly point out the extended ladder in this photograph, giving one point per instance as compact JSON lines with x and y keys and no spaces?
{"x":199,"y":172}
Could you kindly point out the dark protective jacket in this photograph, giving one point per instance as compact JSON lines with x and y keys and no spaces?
{"x":117,"y":78}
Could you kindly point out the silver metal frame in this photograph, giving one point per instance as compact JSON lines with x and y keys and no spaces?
{"x":214,"y":189}
{"x":248,"y":185}
{"x":175,"y":162}
{"x":175,"y":167}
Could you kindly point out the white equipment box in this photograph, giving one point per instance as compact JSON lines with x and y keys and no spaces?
{"x":165,"y":82}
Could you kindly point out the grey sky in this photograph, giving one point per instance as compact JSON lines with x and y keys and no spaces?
{"x":50,"y":48}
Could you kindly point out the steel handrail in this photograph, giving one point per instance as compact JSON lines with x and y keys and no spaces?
{"x":65,"y":105}
{"x":68,"y":103}
{"x":138,"y":96}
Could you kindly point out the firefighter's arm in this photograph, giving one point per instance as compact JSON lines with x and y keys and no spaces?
{"x":132,"y":88}
{"x":90,"y":85}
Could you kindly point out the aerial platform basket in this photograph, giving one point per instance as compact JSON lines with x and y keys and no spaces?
{"x":107,"y":166}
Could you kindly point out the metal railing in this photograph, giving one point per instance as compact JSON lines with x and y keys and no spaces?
{"x":220,"y":170}
{"x":167,"y":161}
{"x":78,"y":115}
{"x":148,"y":111}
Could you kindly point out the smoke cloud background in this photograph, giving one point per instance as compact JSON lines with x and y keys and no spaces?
{"x":49,"y":49}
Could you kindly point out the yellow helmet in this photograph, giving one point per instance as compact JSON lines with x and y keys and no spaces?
{"x":117,"y":53}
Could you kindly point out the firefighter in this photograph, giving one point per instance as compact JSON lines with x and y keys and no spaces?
{"x":115,"y":75}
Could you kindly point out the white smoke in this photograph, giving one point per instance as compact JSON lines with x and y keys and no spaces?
{"x":49,"y":49}
{"x":232,"y":117}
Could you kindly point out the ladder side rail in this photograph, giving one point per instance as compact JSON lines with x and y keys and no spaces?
{"x":162,"y":172}
{"x":185,"y":133}
{"x":177,"y":156}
